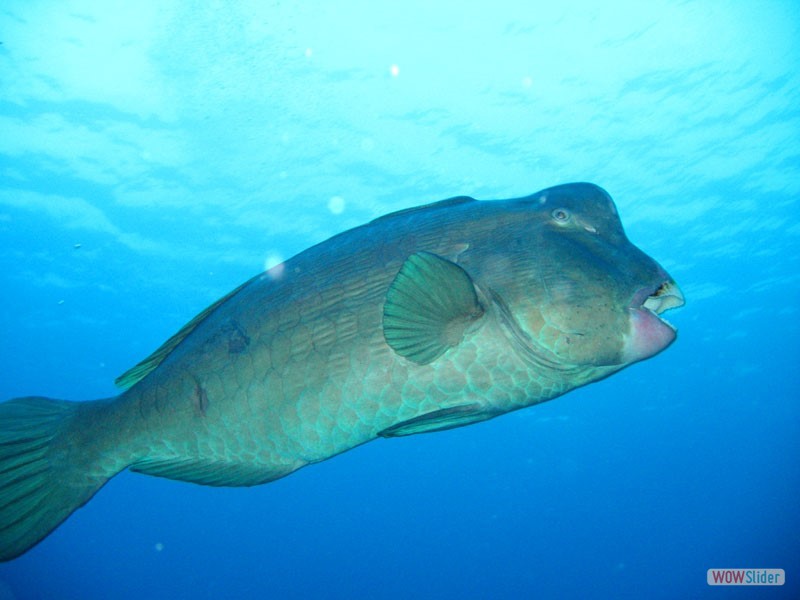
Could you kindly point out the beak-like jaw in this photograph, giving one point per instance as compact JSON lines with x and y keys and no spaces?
{"x":668,"y":295}
{"x":649,"y":333}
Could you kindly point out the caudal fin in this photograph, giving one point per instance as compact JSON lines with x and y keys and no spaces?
{"x":45,"y":473}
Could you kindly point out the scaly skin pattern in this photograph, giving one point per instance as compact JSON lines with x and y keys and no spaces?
{"x":295,"y":367}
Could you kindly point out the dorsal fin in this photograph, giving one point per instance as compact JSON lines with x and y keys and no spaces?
{"x":456,"y":201}
{"x":135,"y":374}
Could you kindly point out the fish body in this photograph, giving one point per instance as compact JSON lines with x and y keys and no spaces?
{"x":423,"y":320}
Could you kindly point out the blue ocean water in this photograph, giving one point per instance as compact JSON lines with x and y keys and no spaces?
{"x":154,"y":155}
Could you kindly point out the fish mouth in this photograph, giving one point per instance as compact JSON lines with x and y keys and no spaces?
{"x":659,"y":299}
{"x":649,"y":333}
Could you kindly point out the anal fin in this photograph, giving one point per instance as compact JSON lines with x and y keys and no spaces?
{"x":208,"y":472}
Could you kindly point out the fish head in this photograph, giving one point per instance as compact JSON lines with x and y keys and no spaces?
{"x":583,"y":294}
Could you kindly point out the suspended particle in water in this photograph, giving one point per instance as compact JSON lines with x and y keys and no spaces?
{"x":274,"y":266}
{"x":336,"y":205}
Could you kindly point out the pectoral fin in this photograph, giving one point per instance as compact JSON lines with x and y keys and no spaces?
{"x":438,"y":420}
{"x":429,"y":307}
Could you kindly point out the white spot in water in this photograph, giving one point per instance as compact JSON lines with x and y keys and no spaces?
{"x":336,"y":205}
{"x":159,"y":547}
{"x":274,"y":266}
{"x":394,"y":70}
{"x":309,"y":52}
{"x":527,"y":81}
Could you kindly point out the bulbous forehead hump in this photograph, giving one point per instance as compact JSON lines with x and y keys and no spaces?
{"x":586,"y":197}
{"x":586,"y":206}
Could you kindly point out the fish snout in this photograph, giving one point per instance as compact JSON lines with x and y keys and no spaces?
{"x":649,"y":333}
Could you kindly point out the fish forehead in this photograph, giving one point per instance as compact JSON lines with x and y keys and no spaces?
{"x":587,"y":196}
{"x":496,"y":220}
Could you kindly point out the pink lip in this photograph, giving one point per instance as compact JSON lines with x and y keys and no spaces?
{"x":649,"y":334}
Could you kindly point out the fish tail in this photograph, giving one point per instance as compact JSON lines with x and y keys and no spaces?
{"x":49,"y":466}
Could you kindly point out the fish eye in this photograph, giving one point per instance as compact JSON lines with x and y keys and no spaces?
{"x":561,"y":215}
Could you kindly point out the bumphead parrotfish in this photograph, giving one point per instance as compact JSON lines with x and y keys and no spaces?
{"x":423,"y":320}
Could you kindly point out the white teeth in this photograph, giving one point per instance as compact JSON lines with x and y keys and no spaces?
{"x":665,"y":297}
{"x":654,"y":304}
